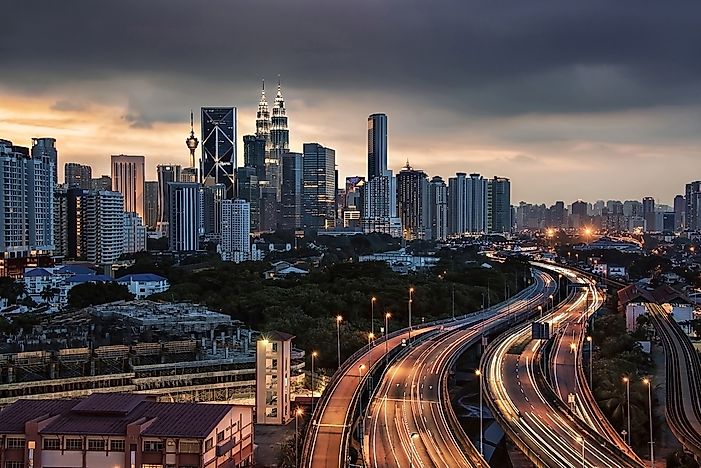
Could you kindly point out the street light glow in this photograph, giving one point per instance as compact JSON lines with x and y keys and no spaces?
{"x":339,"y":318}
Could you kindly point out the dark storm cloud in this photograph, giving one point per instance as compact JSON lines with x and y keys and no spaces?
{"x":475,"y":57}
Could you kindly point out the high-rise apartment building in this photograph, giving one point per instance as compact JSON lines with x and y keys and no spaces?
{"x":319,"y":190}
{"x":377,"y":145}
{"x":101,"y":183}
{"x":236,"y":230}
{"x":151,"y":201}
{"x":467,"y":197}
{"x":211,"y":198}
{"x":218,"y":164}
{"x":184,"y":216}
{"x":134,"y":233}
{"x":44,"y":149}
{"x":438,"y":209}
{"x":248,"y":188}
{"x":128,"y":177}
{"x":26,"y":203}
{"x":167,"y":174}
{"x":103,"y":226}
{"x":693,"y":206}
{"x":69,"y":209}
{"x":412,"y":202}
{"x":77,"y":175}
{"x":649,"y":214}
{"x":291,"y":196}
{"x":499,"y":205}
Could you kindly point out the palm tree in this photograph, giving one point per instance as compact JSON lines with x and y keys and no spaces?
{"x":48,"y":293}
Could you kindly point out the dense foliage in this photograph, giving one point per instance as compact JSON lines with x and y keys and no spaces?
{"x":88,"y":294}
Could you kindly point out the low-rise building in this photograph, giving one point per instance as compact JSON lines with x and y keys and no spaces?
{"x":143,"y":285}
{"x":122,"y":430}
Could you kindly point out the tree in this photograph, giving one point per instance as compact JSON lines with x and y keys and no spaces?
{"x":48,"y":293}
{"x":87,"y":294}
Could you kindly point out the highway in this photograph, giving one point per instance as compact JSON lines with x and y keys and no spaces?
{"x":683,"y":406}
{"x":531,"y":411}
{"x":411,"y":422}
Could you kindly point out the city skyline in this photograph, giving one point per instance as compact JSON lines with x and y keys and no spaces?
{"x":567,"y":123}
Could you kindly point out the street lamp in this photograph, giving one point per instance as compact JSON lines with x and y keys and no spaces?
{"x":411,"y":292}
{"x":591,"y":360}
{"x":552,"y":302}
{"x":371,"y":336}
{"x":372,"y":314}
{"x":338,"y":338}
{"x":478,"y":373}
{"x":540,"y":309}
{"x":626,"y":380}
{"x":648,"y":382}
{"x":573,"y":348}
{"x":580,"y":439}
{"x":387,"y":316}
{"x":298,"y":413}
{"x":412,"y":437}
{"x":314,"y":355}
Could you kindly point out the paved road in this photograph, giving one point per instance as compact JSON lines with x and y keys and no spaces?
{"x":411,"y":398}
{"x":529,"y":410}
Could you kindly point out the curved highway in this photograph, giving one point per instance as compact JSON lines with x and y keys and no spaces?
{"x":411,"y":422}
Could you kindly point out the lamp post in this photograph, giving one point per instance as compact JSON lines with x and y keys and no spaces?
{"x":580,"y":439}
{"x":573,"y":348}
{"x":372,"y":314}
{"x":540,"y":309}
{"x":298,"y":413}
{"x":371,"y":336}
{"x":478,"y":373}
{"x":559,"y":287}
{"x":361,"y":368}
{"x":314,"y":355}
{"x":626,"y":380}
{"x":338,"y":338}
{"x":648,"y":382}
{"x":552,"y":302}
{"x":387,"y":316}
{"x":411,"y":292}
{"x":413,"y":436}
{"x":591,"y":360}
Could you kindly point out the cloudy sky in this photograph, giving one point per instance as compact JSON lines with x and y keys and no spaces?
{"x":568,"y":98}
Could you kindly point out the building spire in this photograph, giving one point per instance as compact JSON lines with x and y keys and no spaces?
{"x":192,"y":140}
{"x":263,"y":118}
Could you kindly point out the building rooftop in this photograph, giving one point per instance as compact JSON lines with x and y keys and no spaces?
{"x":14,"y":417}
{"x":37,"y":272}
{"x":88,"y":278}
{"x":142,"y":277}
{"x":75,"y":270}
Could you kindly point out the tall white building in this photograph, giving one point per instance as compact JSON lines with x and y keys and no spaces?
{"x":103,"y":226}
{"x":438,"y":209}
{"x":467,"y":198}
{"x":134,"y":233}
{"x":184,"y":216}
{"x":128,"y":178}
{"x":236,"y":230}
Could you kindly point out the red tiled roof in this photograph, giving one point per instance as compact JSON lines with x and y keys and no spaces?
{"x":184,"y":419}
{"x":661,"y":295}
{"x":109,"y":403}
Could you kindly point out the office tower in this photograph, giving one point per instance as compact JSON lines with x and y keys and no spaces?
{"x":166,"y":175}
{"x":263,"y":120}
{"x":184,"y":216}
{"x":44,"y":149}
{"x":499,"y":205}
{"x":412,"y":202}
{"x":151,"y":202}
{"x":102,"y":183}
{"x":269,"y":209}
{"x":351,"y":202}
{"x":218,"y":164}
{"x":68,"y":222}
{"x":668,"y":221}
{"x":103,"y":226}
{"x":579,"y":208}
{"x":318,"y":194}
{"x":438,"y":209}
{"x":26,"y":204}
{"x":558,"y":215}
{"x":248,"y":188}
{"x":279,"y":141}
{"x":189,"y":174}
{"x":77,"y":175}
{"x":211,"y":198}
{"x":632,"y":208}
{"x":291,"y":191}
{"x":679,"y":212}
{"x":377,"y":145}
{"x":693,"y":206}
{"x":649,"y":213}
{"x":467,"y":197}
{"x":254,"y":154}
{"x":236,"y":230}
{"x":598,"y":208}
{"x":134,"y":233}
{"x":128,"y":174}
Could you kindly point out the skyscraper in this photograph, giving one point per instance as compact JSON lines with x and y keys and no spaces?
{"x":291,"y":196}
{"x":467,"y":198}
{"x":649,"y":213}
{"x":103,"y":183}
{"x":319,"y":192}
{"x":437,"y":209}
{"x":166,"y":174}
{"x":183,"y":216}
{"x":499,"y":205}
{"x":248,"y":188}
{"x":128,"y":174}
{"x":377,"y":145}
{"x":211,"y":198}
{"x":44,"y":149}
{"x":218,"y":162}
{"x":77,"y":175}
{"x":134,"y":233}
{"x":279,"y":141}
{"x":693,"y":206}
{"x":254,"y":154}
{"x":412,"y":202}
{"x":69,"y":206}
{"x":103,"y":226}
{"x":236,"y":231}
{"x":679,"y":212}
{"x":151,"y":202}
